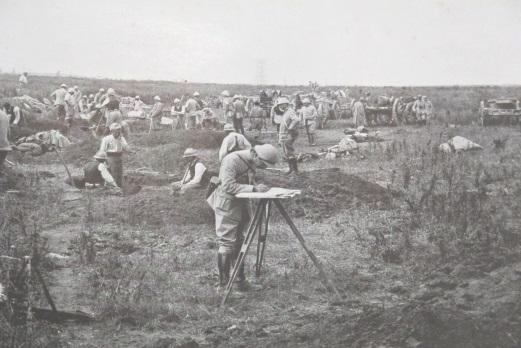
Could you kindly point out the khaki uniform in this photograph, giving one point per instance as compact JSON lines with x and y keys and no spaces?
{"x":359,"y":114}
{"x":231,"y":214}
{"x":288,"y":132}
{"x":309,"y":116}
{"x":233,"y":142}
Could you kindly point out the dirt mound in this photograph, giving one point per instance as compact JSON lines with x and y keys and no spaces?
{"x":430,"y":326}
{"x":326,"y":191}
{"x":156,"y":207}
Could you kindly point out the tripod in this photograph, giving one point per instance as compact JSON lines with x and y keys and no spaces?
{"x":259,"y":225}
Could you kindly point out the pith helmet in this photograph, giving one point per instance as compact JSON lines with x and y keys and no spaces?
{"x":115,"y":126}
{"x":267,"y":153}
{"x":190,"y":153}
{"x":282,"y":101}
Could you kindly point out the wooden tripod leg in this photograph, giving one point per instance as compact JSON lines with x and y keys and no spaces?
{"x":248,"y":239}
{"x":261,"y":244}
{"x":327,"y":282}
{"x":45,"y":289}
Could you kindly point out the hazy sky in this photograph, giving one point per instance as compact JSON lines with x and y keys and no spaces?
{"x":398,"y":42}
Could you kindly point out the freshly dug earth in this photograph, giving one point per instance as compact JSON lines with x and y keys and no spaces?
{"x":326,"y":191}
{"x":156,"y":207}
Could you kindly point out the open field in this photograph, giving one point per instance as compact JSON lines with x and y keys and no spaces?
{"x":423,"y":246}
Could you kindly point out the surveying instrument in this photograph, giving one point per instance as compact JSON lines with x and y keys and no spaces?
{"x":259,"y":225}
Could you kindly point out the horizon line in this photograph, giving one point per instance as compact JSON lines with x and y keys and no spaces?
{"x":41,"y":74}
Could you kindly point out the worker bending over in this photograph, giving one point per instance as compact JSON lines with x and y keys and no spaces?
{"x":231,"y":213}
{"x":196,"y":175}
{"x":114,"y":145}
{"x":232,"y":142}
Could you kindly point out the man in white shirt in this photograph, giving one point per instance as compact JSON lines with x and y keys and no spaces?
{"x":177,"y":112}
{"x":191,"y":108}
{"x":114,"y":145}
{"x":309,"y":116}
{"x":232,"y":142}
{"x":156,"y":113}
{"x":99,"y":95}
{"x":59,"y":100}
{"x":196,"y":175}
{"x":22,"y":80}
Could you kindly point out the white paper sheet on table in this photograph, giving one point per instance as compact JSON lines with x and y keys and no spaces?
{"x":274,"y":192}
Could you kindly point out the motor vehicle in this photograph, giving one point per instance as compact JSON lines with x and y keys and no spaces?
{"x":506,"y":111}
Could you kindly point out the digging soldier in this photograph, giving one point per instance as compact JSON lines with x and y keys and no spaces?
{"x":96,"y":173}
{"x":59,"y":101}
{"x":288,"y":133}
{"x":196,"y":174}
{"x":114,"y":145}
{"x":231,"y":214}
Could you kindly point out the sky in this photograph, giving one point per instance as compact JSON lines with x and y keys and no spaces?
{"x":361,"y":42}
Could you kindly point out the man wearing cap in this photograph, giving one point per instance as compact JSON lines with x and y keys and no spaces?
{"x":231,"y":214}
{"x":177,"y":112}
{"x":309,"y":115}
{"x":276,"y":115}
{"x":228,"y":109}
{"x":209,"y":120}
{"x":196,"y":175}
{"x":70,"y":108}
{"x":4,"y":141}
{"x":232,"y":142}
{"x":257,"y":117}
{"x":323,"y":110}
{"x":156,"y":113}
{"x":95,"y":173}
{"x":137,"y":109}
{"x":240,"y":112}
{"x":22,"y":80}
{"x":191,"y":107}
{"x":99,"y":95}
{"x":59,"y":100}
{"x":288,"y":133}
{"x":417,"y":108}
{"x":112,"y":112}
{"x":359,"y":113}
{"x":114,"y":145}
{"x":422,"y":111}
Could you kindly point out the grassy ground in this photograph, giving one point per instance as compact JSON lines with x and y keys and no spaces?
{"x":431,"y":259}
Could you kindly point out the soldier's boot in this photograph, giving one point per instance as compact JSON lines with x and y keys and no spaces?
{"x":224,"y":262}
{"x":290,"y":166}
{"x":312,"y":141}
